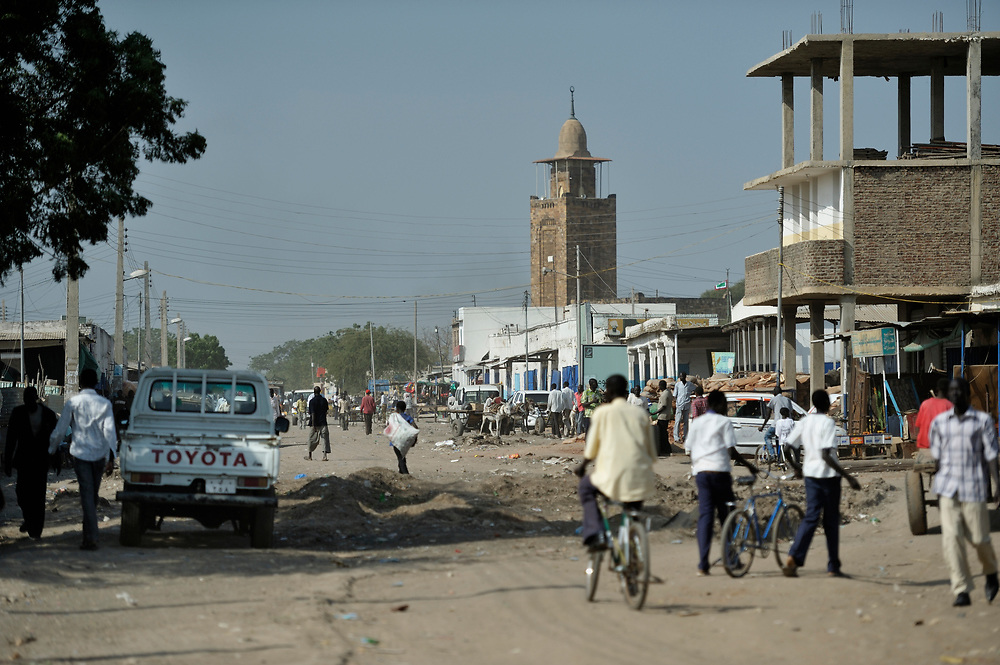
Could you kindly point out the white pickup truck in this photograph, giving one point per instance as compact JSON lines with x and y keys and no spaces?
{"x":200,"y":444}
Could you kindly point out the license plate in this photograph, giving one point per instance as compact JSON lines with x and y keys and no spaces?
{"x":220,"y":486}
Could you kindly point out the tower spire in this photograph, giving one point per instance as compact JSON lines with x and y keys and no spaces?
{"x":572,"y":103}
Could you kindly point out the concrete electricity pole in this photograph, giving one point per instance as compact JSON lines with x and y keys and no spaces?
{"x":119,"y":355}
{"x":147,"y":354}
{"x":71,"y":384}
{"x":164,"y":356}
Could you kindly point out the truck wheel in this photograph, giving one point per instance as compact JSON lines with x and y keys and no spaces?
{"x":262,"y":529}
{"x":539,"y":426}
{"x":915,"y":508}
{"x":130,"y":533}
{"x":458,"y":427}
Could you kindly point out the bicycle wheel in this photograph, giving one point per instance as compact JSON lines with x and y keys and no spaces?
{"x":783,"y":530}
{"x":738,"y":543}
{"x":761,"y":458}
{"x":593,"y":572}
{"x":635,"y":573}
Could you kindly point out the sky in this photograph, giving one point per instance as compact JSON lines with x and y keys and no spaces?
{"x":365,"y":155}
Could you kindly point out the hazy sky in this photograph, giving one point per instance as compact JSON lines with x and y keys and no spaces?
{"x":361,"y":154}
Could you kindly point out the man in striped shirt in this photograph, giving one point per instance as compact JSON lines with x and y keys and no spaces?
{"x":964,"y":445}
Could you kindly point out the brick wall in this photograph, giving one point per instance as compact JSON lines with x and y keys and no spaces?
{"x":822,"y":259}
{"x":557,"y":227}
{"x":991,"y":224}
{"x":911,"y":226}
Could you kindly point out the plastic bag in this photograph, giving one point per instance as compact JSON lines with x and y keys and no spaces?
{"x":402,"y":435}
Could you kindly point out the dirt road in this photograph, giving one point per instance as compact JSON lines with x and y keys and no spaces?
{"x":471,"y":559}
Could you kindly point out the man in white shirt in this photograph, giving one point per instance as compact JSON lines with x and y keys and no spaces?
{"x":568,"y":402}
{"x":93,"y":447}
{"x":712,"y":441}
{"x":683,"y":390}
{"x":554,"y":408}
{"x":816,"y":434}
{"x":620,"y":443}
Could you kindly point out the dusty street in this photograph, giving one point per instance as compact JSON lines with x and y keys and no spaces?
{"x":471,"y":559}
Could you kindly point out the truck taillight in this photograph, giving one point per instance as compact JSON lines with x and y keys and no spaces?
{"x":251,"y":482}
{"x":146,"y":478}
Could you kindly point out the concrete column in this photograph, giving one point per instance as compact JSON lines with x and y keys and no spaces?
{"x":71,"y":377}
{"x":847,"y":98}
{"x":816,"y":111}
{"x":937,"y":99}
{"x":847,"y":210}
{"x":903,"y":116}
{"x":788,"y":360}
{"x":847,"y":305}
{"x":643,"y":355}
{"x":787,"y":120}
{"x":976,"y":224}
{"x":974,"y":100}
{"x":816,"y":349}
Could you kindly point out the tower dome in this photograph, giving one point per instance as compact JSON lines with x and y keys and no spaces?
{"x":572,"y":140}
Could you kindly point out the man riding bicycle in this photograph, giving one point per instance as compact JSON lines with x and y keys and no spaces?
{"x":620,"y":443}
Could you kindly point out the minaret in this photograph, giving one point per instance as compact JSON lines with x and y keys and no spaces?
{"x":572,"y":215}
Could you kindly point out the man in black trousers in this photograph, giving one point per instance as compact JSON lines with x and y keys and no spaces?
{"x":28,"y":451}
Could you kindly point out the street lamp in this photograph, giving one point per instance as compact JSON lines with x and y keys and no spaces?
{"x":187,"y":338}
{"x":144,"y":358}
{"x":555,"y":304}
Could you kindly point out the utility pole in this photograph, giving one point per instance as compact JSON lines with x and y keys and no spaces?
{"x":180,"y":358}
{"x":147,"y":354}
{"x":525,"y":340}
{"x":781,"y":272}
{"x":579,"y":323}
{"x":71,"y":382}
{"x":415,"y":356}
{"x":119,"y":355}
{"x":371,"y":340}
{"x":729,"y":297}
{"x":164,"y":356}
{"x":21,"y":271}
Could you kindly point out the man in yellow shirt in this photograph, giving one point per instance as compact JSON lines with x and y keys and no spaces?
{"x":620,"y":443}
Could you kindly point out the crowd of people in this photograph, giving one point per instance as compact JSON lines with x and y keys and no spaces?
{"x":959,"y":440}
{"x":956,"y":440}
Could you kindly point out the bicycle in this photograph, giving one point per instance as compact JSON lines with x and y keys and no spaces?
{"x":768,"y":454}
{"x":742,"y":535}
{"x":628,"y":555}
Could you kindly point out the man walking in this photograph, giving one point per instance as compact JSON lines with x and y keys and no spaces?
{"x":816,"y":435}
{"x":664,"y":413}
{"x":554,"y":408}
{"x":344,"y":406}
{"x":683,"y":390}
{"x":713,"y":445}
{"x":368,"y":411}
{"x":568,"y":407}
{"x":31,"y":424}
{"x":318,"y":406}
{"x":930,"y":409}
{"x":93,"y":447}
{"x":592,"y":398}
{"x":300,"y":408}
{"x":964,"y":443}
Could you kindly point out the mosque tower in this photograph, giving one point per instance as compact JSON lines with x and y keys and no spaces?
{"x":572,"y":215}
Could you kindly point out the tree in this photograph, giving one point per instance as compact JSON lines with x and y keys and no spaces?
{"x":346,"y":356}
{"x":80,"y":106}
{"x":205,"y":353}
{"x":736,"y":289}
{"x":200,"y":352}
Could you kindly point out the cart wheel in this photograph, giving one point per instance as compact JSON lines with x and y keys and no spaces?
{"x":915,"y":507}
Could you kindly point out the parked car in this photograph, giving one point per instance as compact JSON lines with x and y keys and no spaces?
{"x":746,"y":412}
{"x":537,"y":417}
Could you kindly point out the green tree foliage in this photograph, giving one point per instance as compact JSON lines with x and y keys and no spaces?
{"x":736,"y":289}
{"x":200,"y":352}
{"x":80,"y":106}
{"x":346,"y":355}
{"x":205,"y":353}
